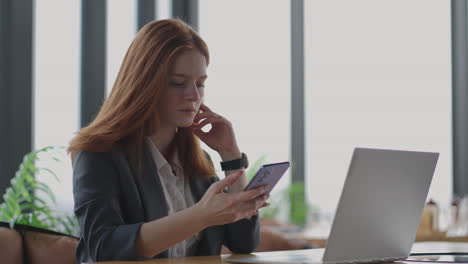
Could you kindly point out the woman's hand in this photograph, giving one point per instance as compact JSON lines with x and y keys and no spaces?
{"x":220,"y":137}
{"x":218,"y":207}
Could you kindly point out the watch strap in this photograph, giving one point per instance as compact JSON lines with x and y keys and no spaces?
{"x":236,"y":164}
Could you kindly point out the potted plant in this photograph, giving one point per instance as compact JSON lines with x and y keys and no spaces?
{"x":24,"y":203}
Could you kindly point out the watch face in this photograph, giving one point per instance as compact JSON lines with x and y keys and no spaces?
{"x":246,"y":160}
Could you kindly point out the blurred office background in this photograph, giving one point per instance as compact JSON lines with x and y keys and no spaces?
{"x":301,"y":80}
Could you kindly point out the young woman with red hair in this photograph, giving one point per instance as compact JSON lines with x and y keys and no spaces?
{"x":143,"y":187}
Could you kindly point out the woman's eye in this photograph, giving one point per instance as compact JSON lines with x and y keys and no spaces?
{"x":178,"y":84}
{"x":201,"y":85}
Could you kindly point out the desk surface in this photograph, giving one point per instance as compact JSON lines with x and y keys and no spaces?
{"x":421,"y":247}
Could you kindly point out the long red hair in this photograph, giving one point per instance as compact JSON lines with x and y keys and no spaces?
{"x":130,"y":112}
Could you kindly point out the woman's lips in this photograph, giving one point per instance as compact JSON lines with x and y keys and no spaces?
{"x":188,"y":110}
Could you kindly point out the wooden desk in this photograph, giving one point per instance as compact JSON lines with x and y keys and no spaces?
{"x":420,"y":247}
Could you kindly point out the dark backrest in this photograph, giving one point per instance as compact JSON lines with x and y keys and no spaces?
{"x":11,"y":246}
{"x":36,"y":245}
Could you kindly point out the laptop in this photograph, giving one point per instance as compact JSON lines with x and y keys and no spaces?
{"x":378,"y":212}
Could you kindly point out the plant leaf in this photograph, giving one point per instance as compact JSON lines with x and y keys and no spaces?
{"x":21,"y":202}
{"x":5,"y":214}
{"x":51,"y":172}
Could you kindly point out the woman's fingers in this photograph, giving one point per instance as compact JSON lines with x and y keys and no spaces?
{"x":250,"y":208}
{"x":247,"y":209}
{"x":254,"y":204}
{"x":204,"y":115}
{"x":259,"y":202}
{"x":201,"y":116}
{"x":226,"y":182}
{"x":209,"y":120}
{"x":249,"y":195}
{"x":239,"y":205}
{"x":205,"y":108}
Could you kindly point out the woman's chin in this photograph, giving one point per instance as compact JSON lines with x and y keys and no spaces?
{"x":185,"y":124}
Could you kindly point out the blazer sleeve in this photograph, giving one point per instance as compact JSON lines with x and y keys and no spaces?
{"x":104,"y":234}
{"x":243,"y":236}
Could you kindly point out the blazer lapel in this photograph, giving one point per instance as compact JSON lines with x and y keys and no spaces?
{"x":211,"y":237}
{"x":197,"y":187}
{"x":147,"y":201}
{"x":131,"y":200}
{"x":154,"y":202}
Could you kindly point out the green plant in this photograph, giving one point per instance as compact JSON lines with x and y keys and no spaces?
{"x":292,"y":197}
{"x":271,"y":211}
{"x":23,"y":203}
{"x":250,"y":173}
{"x":298,"y":205}
{"x":278,"y":202}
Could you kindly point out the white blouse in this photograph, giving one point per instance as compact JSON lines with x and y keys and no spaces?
{"x":178,"y":195}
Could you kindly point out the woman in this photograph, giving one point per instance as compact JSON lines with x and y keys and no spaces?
{"x":143,"y":187}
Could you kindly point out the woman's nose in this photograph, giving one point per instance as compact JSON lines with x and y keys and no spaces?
{"x":192,"y":92}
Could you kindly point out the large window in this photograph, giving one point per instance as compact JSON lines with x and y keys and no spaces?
{"x":163,"y":9}
{"x":121,"y":29}
{"x":378,"y":74}
{"x":56,"y":88}
{"x":249,"y":74}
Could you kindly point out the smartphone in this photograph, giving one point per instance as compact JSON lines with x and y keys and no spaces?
{"x":268,"y":174}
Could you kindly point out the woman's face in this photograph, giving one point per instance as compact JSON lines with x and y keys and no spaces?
{"x":182,"y":99}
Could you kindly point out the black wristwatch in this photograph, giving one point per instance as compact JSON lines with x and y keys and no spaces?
{"x":236,"y":164}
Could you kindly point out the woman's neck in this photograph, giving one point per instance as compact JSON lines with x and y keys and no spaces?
{"x":163,"y":138}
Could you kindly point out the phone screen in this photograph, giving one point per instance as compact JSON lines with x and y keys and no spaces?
{"x":268,"y":174}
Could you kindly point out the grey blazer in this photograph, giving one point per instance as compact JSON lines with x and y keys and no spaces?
{"x":111,"y":204}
